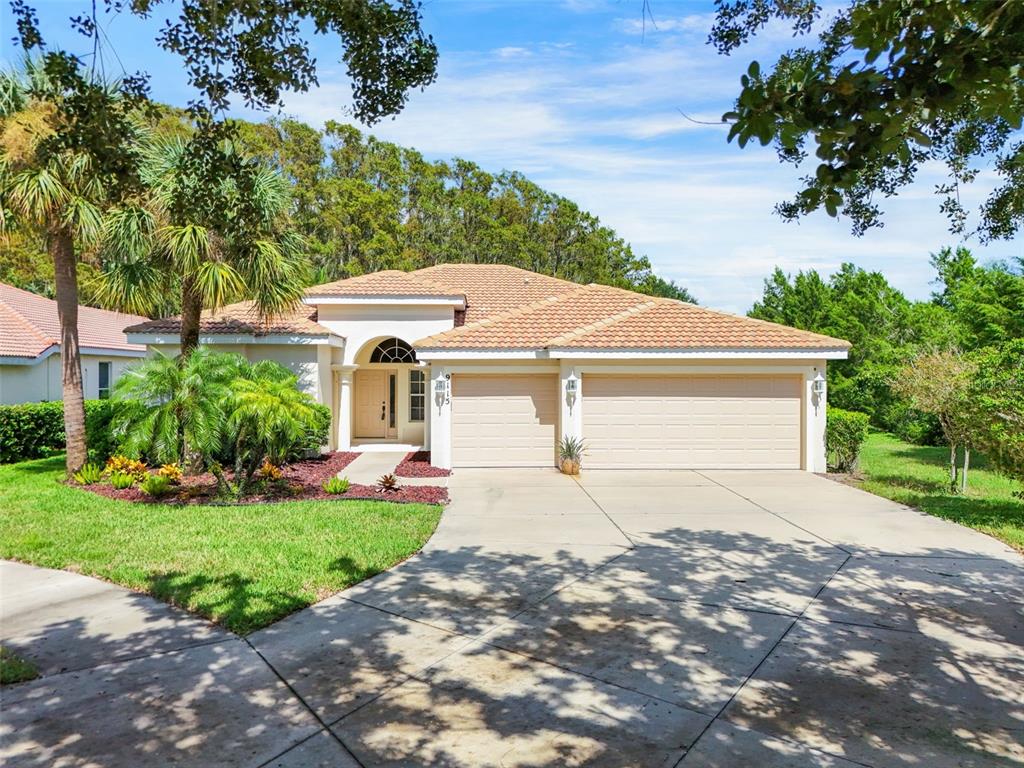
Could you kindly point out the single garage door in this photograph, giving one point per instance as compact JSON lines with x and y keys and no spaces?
{"x":749,"y":422}
{"x":504,"y":421}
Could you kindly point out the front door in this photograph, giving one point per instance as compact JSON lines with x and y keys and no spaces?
{"x":371,"y":403}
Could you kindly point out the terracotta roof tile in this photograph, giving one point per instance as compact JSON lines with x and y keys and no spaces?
{"x":510,"y":308}
{"x":494,"y":288}
{"x":601,"y":317}
{"x":29,"y":325}
{"x":242,"y":319}
{"x":390,"y":282}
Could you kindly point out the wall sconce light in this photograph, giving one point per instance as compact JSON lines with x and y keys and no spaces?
{"x":572,"y":386}
{"x":818,"y":385}
{"x":441,"y":391}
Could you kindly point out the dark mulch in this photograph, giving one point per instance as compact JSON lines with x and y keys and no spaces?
{"x":302,"y":481}
{"x":417,"y":464}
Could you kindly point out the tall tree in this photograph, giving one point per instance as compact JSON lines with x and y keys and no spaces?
{"x":888,"y":86}
{"x":987,"y":301}
{"x":243,"y":247}
{"x":67,"y":151}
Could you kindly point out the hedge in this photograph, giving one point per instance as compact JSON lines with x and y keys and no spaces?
{"x":845,"y":433}
{"x":35,"y":430}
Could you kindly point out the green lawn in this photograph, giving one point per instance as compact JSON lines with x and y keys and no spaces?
{"x":919,"y":476}
{"x":242,"y":566}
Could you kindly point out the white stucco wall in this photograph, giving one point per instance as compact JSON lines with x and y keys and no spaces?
{"x":42,"y":381}
{"x":361,"y":324}
{"x":300,"y":359}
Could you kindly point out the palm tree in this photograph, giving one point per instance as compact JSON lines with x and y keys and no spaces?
{"x":208,"y":254}
{"x":174,"y":410}
{"x":268,"y":416}
{"x":56,"y":193}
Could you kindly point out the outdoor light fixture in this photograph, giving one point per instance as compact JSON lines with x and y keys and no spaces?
{"x":818,"y":385}
{"x":572,"y":385}
{"x":441,"y":391}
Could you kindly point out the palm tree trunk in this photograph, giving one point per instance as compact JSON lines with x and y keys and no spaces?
{"x":191,"y":311}
{"x":65,"y":269}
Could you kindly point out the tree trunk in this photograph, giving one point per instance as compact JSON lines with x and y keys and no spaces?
{"x":65,"y":270}
{"x":191,"y":310}
{"x":967,"y":462}
{"x":952,"y":466}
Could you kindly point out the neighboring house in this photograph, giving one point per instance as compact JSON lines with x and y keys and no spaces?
{"x":30,"y":348}
{"x":489,"y":365}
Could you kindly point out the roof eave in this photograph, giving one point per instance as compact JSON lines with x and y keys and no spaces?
{"x":171,"y":338}
{"x":710,"y":353}
{"x":455,"y":300}
{"x":631,"y":353}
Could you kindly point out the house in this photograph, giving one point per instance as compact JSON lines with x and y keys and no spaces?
{"x":489,"y":365}
{"x":30,"y":369}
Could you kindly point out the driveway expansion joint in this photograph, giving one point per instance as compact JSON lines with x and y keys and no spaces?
{"x":765,"y":658}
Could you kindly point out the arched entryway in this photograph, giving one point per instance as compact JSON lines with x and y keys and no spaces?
{"x":389,"y":393}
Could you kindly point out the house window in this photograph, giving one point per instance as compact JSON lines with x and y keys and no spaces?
{"x":104,"y":381}
{"x":393,"y":351}
{"x":417,"y":395}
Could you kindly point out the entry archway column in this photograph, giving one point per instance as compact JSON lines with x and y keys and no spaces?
{"x":344,"y":434}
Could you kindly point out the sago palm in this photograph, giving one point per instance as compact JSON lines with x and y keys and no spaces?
{"x":164,"y":245}
{"x":57,"y":194}
{"x":174,"y":410}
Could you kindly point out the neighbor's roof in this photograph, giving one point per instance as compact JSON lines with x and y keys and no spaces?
{"x":242,"y":319}
{"x":600,"y":317}
{"x":29,"y":325}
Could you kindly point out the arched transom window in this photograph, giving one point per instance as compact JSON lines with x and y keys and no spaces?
{"x":393,"y":351}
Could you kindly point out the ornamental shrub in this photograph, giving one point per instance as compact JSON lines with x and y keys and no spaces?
{"x":36,"y":430}
{"x":156,"y":486}
{"x":845,"y":433}
{"x":335,"y":485}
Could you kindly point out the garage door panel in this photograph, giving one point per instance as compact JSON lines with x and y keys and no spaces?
{"x":504,"y":421}
{"x":692,"y":421}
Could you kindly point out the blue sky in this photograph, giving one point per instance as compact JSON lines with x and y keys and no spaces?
{"x":584,"y":97}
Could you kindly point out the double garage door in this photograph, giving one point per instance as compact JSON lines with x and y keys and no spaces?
{"x":749,"y":422}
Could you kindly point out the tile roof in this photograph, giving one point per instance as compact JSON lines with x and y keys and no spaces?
{"x":601,"y":317}
{"x":511,"y":308}
{"x":242,"y":319}
{"x":493,"y":288}
{"x":29,"y":325}
{"x":390,"y":282}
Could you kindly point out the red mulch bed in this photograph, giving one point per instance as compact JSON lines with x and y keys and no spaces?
{"x":302,"y":481}
{"x":417,"y":464}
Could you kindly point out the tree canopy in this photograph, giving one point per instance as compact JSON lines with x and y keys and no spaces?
{"x":887,"y":86}
{"x":975,"y":306}
{"x":360,"y":204}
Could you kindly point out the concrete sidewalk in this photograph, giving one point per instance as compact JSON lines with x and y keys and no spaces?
{"x":370,"y":466}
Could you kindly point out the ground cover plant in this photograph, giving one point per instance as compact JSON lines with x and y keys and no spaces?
{"x":14,"y":669}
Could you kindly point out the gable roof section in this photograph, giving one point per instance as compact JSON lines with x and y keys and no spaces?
{"x":390,"y":282}
{"x":241,"y":319}
{"x":599,"y":317}
{"x":29,"y":326}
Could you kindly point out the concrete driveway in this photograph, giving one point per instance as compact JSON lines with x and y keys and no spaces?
{"x":625,"y":619}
